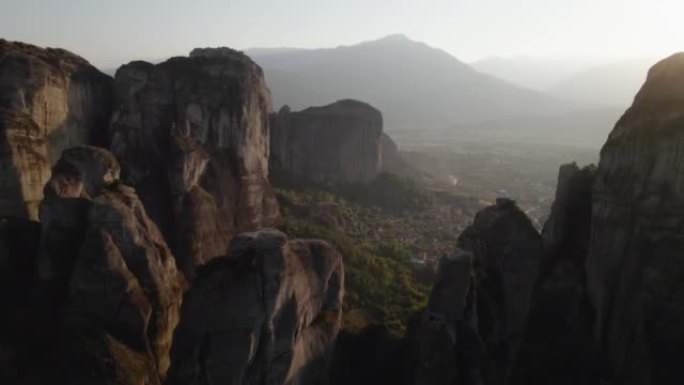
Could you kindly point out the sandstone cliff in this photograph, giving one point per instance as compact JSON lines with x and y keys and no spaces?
{"x":635,"y":267}
{"x":337,"y":143}
{"x":93,"y":290}
{"x":192,"y":136}
{"x":50,"y":99}
{"x":471,"y":331}
{"x":266,"y":313}
{"x":112,"y":275}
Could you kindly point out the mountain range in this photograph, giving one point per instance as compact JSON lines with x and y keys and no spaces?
{"x":421,"y":88}
{"x":414,"y":85}
{"x":608,"y":84}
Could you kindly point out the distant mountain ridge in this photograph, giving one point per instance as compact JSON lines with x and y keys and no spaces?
{"x":585,"y":81}
{"x":414,"y":85}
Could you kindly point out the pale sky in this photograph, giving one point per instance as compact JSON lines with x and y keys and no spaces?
{"x":109,"y":33}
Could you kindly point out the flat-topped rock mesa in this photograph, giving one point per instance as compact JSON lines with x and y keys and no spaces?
{"x":192,"y":136}
{"x":635,"y":265}
{"x":50,"y":100}
{"x":337,"y":143}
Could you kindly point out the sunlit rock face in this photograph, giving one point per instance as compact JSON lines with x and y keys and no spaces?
{"x":635,"y":268}
{"x":337,"y":143}
{"x":192,"y":136}
{"x":266,"y":313}
{"x":114,"y":280}
{"x":50,"y":100}
{"x":471,"y":331}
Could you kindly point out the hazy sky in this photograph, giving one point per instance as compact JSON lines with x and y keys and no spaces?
{"x":108,"y":32}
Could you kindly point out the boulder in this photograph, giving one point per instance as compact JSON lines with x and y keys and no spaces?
{"x":116,"y":285}
{"x":266,"y":313}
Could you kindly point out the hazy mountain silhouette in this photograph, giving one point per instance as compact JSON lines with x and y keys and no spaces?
{"x":414,"y":85}
{"x":578,"y":80}
{"x":533,"y":72}
{"x":612,"y":85}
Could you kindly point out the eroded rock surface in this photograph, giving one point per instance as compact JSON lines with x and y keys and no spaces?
{"x":266,"y":313}
{"x":337,"y":143}
{"x":635,"y":268}
{"x":50,"y":100}
{"x":115,"y":280}
{"x":192,"y":135}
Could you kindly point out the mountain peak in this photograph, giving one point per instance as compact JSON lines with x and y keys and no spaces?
{"x":396,"y":38}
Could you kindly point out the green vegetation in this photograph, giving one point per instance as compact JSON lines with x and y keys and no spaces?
{"x":391,"y":233}
{"x":382,"y":286}
{"x":390,"y":191}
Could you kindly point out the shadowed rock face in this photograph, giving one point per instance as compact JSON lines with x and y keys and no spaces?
{"x":266,"y":313}
{"x":18,"y":255}
{"x":114,"y":278}
{"x":192,"y":135}
{"x":557,"y":345}
{"x":471,"y":331}
{"x":337,"y":143}
{"x":635,"y":267}
{"x":50,"y":100}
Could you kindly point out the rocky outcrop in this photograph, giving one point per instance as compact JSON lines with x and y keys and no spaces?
{"x":50,"y":100}
{"x":337,"y":143}
{"x":471,"y":331}
{"x":115,"y":280}
{"x":192,"y":136}
{"x":635,"y":267}
{"x":266,"y":313}
{"x":557,"y":345}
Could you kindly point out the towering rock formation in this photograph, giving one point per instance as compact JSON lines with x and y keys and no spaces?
{"x":608,"y":304}
{"x":113,"y":278}
{"x":635,"y":267}
{"x":471,"y":331}
{"x":337,"y":143}
{"x":93,"y":291}
{"x":558,"y":345}
{"x":266,"y":313}
{"x":50,"y":99}
{"x":192,"y":136}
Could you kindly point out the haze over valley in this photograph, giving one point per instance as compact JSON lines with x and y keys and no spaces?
{"x":341,"y":193}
